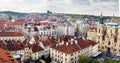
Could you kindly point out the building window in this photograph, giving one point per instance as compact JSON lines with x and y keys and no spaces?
{"x":99,"y":30}
{"x":109,"y":43}
{"x":65,"y":54}
{"x":65,"y":59}
{"x":102,"y":47}
{"x":71,"y":54}
{"x":71,"y":59}
{"x":114,"y":49}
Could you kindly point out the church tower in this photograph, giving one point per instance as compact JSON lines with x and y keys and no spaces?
{"x":100,"y":29}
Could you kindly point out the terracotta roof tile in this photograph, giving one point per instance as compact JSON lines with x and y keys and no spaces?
{"x":11,"y":34}
{"x":93,"y":29}
{"x":6,"y":56}
{"x":36,"y":38}
{"x":18,"y":45}
{"x":65,"y":37}
{"x":2,"y":45}
{"x":18,"y":22}
{"x":48,"y":41}
{"x":36,"y":48}
{"x":73,"y":47}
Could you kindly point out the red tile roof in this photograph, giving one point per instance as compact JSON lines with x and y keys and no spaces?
{"x":92,"y":42}
{"x":65,"y":37}
{"x":36,"y":38}
{"x":11,"y":34}
{"x":25,"y":41}
{"x":2,"y":45}
{"x":18,"y":23}
{"x":93,"y":29}
{"x":82,"y":43}
{"x":1,"y":27}
{"x":48,"y":41}
{"x":36,"y":48}
{"x":6,"y":56}
{"x":71,"y":48}
{"x":18,"y":45}
{"x":11,"y":46}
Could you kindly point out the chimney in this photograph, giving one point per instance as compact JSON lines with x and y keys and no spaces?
{"x":50,"y":37}
{"x":76,"y":42}
{"x":87,"y":38}
{"x":83,"y":38}
{"x":75,"y":37}
{"x":62,"y":42}
{"x":66,"y":43}
{"x":39,"y":37}
{"x":56,"y":45}
{"x":58,"y":39}
{"x":71,"y":42}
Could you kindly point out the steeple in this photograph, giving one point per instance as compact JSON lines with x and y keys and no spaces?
{"x":113,"y":18}
{"x":101,"y":19}
{"x":10,"y":18}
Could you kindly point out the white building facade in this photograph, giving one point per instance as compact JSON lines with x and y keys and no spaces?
{"x":64,"y":29}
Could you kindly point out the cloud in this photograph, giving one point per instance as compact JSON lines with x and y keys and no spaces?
{"x":9,"y":1}
{"x":94,"y":7}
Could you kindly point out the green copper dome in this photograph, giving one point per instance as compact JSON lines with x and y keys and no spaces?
{"x":113,"y":24}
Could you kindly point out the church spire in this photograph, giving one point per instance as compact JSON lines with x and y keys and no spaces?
{"x":113,"y":18}
{"x":101,"y":19}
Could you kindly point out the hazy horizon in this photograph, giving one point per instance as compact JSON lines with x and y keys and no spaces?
{"x":89,"y":7}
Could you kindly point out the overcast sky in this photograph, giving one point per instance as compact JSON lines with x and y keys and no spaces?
{"x":93,"y":7}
